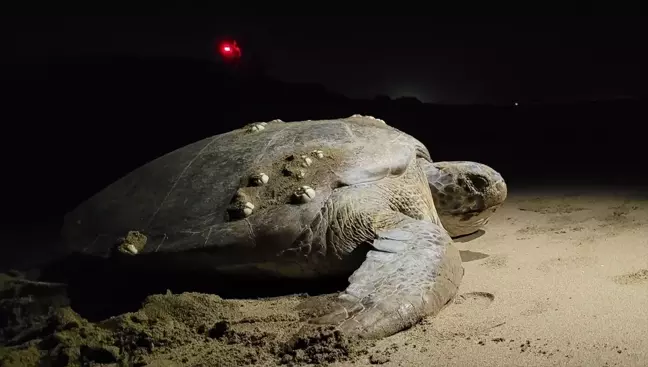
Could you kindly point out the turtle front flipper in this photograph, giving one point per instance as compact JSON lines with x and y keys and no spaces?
{"x":413,"y":271}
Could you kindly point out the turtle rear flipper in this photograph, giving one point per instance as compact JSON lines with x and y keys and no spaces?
{"x":412,"y":272}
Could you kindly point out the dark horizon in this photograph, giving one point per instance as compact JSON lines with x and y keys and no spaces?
{"x":456,"y":60}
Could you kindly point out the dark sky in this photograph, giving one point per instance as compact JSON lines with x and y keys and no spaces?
{"x":450,"y":60}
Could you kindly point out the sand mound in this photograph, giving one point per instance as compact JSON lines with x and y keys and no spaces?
{"x":192,"y":329}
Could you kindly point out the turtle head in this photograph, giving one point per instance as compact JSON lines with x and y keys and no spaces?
{"x":466,"y":194}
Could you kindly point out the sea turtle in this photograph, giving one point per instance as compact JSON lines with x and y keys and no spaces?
{"x":303,"y":200}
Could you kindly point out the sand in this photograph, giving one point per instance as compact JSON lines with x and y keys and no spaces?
{"x":565,"y":284}
{"x":558,"y":279}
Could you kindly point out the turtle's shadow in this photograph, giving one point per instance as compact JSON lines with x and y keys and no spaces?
{"x":469,"y":237}
{"x":99,"y":288}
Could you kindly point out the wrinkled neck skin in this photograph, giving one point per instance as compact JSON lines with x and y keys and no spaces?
{"x":466,"y":194}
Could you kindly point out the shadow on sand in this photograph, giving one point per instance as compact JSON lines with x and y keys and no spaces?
{"x":101,"y":288}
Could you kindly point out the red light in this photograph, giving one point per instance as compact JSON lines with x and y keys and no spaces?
{"x":229,"y":50}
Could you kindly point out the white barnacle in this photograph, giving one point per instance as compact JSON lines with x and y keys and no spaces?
{"x":304,"y":194}
{"x":259,"y":179}
{"x":368,"y":118}
{"x":131,"y":249}
{"x":127,"y":248}
{"x":240,"y":209}
{"x":256,"y":127}
{"x":132,"y":244}
{"x":373,"y":118}
{"x":300,"y":174}
{"x":248,"y":207}
{"x":276,"y":120}
{"x":306,"y":161}
{"x":318,"y":153}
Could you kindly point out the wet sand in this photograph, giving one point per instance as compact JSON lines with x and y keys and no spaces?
{"x":559,"y":278}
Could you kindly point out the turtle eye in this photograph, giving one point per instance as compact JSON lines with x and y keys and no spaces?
{"x":479,"y":182}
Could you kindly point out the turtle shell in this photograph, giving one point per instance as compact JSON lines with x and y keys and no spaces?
{"x":243,"y":194}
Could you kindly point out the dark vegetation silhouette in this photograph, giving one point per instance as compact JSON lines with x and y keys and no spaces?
{"x":74,"y":126}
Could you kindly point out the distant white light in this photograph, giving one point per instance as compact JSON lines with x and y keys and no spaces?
{"x":516,"y":103}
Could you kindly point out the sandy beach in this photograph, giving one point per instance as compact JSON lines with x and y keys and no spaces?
{"x":559,"y":278}
{"x":565,"y":283}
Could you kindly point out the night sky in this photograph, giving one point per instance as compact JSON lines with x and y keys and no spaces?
{"x":438,"y":60}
